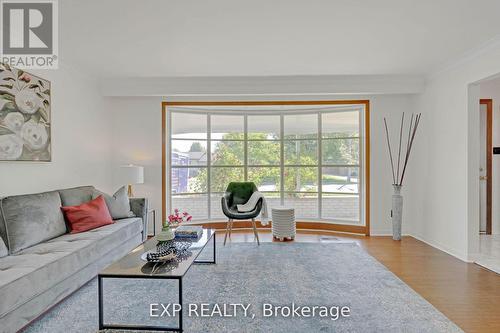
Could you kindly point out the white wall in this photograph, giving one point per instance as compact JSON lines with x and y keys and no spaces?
{"x":391,"y":107}
{"x":450,"y":104}
{"x":491,"y":90}
{"x":137,"y":139}
{"x":80,"y":140}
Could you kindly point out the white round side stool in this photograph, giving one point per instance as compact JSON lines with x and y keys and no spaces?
{"x":283,"y":222}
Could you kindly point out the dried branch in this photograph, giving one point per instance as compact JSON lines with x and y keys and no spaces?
{"x":412,"y":131}
{"x":409,"y":133}
{"x":390,"y":151}
{"x":400,"y":139}
{"x":417,"y":121}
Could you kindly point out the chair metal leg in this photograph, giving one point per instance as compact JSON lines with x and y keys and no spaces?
{"x":227,"y":230}
{"x":231,"y":221}
{"x":255,"y":231}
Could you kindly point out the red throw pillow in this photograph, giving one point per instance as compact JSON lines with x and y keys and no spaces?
{"x":87,"y":216}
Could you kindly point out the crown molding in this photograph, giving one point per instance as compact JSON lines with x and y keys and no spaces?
{"x":263,"y":85}
{"x":464,"y":58}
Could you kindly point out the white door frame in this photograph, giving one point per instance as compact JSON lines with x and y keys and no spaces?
{"x":473,"y":124}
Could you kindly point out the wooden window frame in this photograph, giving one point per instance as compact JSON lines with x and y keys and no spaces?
{"x":364,"y":229}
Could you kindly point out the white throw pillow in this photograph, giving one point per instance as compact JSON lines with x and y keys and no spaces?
{"x":118,"y":204}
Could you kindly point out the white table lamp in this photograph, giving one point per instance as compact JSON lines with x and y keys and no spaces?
{"x":131,"y":174}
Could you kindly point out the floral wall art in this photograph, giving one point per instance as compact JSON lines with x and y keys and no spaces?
{"x":24,"y":116}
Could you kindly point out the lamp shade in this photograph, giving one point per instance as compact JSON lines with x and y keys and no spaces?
{"x":131,"y":174}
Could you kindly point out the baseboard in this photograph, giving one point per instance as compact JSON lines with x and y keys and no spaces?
{"x":386,"y":234}
{"x":473,"y":257}
{"x":453,"y":252}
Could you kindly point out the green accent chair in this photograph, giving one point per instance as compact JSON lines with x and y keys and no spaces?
{"x":238,"y":193}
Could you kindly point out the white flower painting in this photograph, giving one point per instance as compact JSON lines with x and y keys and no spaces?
{"x":24,"y":116}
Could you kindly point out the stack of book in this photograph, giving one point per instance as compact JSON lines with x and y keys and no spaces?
{"x":188,"y":231}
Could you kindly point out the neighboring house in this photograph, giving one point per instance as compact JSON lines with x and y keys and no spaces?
{"x":197,"y":157}
{"x":179,"y":175}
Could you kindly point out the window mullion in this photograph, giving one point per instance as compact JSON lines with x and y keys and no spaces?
{"x":245,"y":147}
{"x":320,"y":163}
{"x":209,"y":165}
{"x":282,"y":159}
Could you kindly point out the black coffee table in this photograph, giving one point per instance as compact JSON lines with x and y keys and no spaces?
{"x":133,"y":267}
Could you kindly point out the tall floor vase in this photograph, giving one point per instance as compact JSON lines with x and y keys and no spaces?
{"x":397,"y":212}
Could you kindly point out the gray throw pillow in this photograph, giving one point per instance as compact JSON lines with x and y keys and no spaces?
{"x":75,"y":196}
{"x":118,"y":204}
{"x":3,"y":249}
{"x":32,"y":219}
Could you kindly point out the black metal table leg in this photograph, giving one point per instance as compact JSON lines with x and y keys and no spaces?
{"x":103,"y":326}
{"x":101,"y":315}
{"x":214,"y":248}
{"x":154,"y":222}
{"x":180,"y":303}
{"x":213,"y":261}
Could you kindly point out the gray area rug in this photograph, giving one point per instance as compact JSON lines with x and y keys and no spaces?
{"x":308,"y":274}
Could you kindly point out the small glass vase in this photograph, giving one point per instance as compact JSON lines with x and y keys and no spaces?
{"x":166,"y":234}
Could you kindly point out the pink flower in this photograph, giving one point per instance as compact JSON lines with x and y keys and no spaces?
{"x":25,"y":77}
{"x":178,"y":218}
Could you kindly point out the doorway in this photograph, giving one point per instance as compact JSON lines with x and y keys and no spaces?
{"x":486,"y":229}
{"x":485,"y":165}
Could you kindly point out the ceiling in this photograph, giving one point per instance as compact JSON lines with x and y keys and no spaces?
{"x":161,"y":38}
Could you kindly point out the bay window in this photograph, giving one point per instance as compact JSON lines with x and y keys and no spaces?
{"x":308,"y":156}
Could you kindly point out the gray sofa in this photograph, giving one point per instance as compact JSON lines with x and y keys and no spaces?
{"x":41,"y":263}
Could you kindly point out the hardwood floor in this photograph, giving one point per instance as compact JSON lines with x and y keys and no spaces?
{"x":467,"y":294}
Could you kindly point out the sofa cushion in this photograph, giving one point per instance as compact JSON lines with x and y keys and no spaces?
{"x":76,"y":196}
{"x":31,"y":272}
{"x":3,"y":249}
{"x":31,"y":219}
{"x":118,"y":203}
{"x":87,"y":216}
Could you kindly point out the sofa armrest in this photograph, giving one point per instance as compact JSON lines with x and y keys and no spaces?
{"x":139,"y":207}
